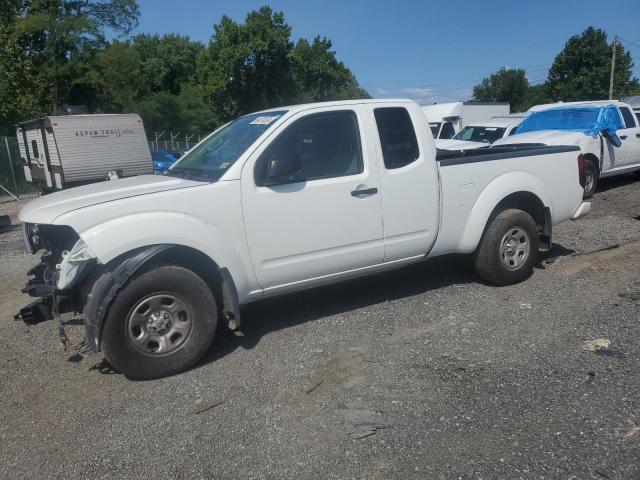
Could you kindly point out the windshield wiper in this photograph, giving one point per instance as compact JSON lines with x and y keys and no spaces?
{"x":191,"y":174}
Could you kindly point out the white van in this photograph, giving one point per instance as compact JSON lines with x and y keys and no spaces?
{"x":446,"y":119}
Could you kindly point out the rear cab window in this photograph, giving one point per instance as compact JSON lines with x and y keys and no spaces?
{"x":629,"y":121}
{"x":397,"y":137}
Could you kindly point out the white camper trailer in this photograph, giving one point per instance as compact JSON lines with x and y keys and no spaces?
{"x":447,"y":119}
{"x":65,"y":151}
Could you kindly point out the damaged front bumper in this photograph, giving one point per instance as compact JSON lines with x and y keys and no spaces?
{"x":52,"y":281}
{"x":69,"y":282}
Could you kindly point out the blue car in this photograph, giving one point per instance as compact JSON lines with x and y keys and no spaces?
{"x":162,"y":160}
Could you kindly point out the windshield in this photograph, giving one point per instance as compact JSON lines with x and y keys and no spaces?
{"x":580,"y":118}
{"x":480,"y":134}
{"x":435,"y":127}
{"x":213,"y":157}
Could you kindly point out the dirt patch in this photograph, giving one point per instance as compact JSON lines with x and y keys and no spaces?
{"x":343,"y":369}
{"x":582,"y":261}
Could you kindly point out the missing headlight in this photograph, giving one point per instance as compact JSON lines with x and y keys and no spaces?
{"x":31,"y":237}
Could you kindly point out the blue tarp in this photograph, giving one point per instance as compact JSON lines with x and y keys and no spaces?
{"x":588,"y":120}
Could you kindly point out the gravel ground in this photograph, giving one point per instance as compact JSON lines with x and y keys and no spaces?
{"x":420,"y":373}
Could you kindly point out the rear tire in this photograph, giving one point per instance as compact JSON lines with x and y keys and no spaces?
{"x":160,"y":324}
{"x":592,"y":176}
{"x":508,"y":249}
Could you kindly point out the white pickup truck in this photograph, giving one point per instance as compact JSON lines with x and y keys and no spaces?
{"x":609,"y":151}
{"x":482,"y":134}
{"x":277,"y":201}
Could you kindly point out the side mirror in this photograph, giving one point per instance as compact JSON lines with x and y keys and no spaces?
{"x":611,"y":137}
{"x":283,"y":169}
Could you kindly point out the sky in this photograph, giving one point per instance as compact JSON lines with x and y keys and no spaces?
{"x":431,"y":51}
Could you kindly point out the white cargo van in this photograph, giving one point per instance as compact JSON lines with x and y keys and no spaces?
{"x":64,"y":151}
{"x":446,"y":119}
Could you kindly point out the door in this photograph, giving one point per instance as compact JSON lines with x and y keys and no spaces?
{"x":629,"y":150}
{"x":447,"y":130}
{"x":328,"y":223}
{"x":40,"y":171}
{"x":409,"y":183}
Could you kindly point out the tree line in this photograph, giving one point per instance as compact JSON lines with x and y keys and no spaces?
{"x":581,"y":71}
{"x":55,"y":52}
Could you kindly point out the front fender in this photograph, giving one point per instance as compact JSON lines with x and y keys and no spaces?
{"x":117,"y":236}
{"x":491,"y":196}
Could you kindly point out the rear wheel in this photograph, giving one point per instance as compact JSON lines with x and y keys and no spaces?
{"x":508,"y":249}
{"x":591,"y":178}
{"x":160,"y":324}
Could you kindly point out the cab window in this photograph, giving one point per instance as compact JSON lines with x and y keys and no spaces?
{"x":629,"y":121}
{"x":325,"y":145}
{"x":397,"y":137}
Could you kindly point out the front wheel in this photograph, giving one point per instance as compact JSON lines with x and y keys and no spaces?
{"x":160,"y":324}
{"x":508,"y":249}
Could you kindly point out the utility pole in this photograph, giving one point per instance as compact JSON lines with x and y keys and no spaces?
{"x":613,"y":67}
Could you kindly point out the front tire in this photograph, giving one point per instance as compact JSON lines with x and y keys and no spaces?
{"x":160,"y":324}
{"x":508,"y":249}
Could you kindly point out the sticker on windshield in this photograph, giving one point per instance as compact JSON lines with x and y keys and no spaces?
{"x":264,"y":120}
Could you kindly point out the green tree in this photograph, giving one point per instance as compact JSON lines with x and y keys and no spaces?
{"x":126,"y":72}
{"x":167,"y":61}
{"x":56,"y":34}
{"x":319,"y":75}
{"x":246,"y":66}
{"x":581,"y":70}
{"x":117,"y":78}
{"x":18,"y":86}
{"x":536,"y":95}
{"x":187,"y":112}
{"x":506,"y":85}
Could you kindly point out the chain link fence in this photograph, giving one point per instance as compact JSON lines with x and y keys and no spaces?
{"x":163,"y":142}
{"x":12,"y":180}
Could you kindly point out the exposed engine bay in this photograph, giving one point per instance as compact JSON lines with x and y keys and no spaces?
{"x":65,"y":257}
{"x":69,"y":279}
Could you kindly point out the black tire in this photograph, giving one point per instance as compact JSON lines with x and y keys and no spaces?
{"x":117,"y":343}
{"x":591,"y":169}
{"x":488,"y":259}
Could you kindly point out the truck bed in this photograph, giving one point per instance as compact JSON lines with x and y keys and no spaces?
{"x":470,"y":179}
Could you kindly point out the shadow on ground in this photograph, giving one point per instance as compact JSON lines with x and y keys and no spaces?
{"x":278,"y":313}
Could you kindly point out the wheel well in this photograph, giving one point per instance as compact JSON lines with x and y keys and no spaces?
{"x":594,"y":159}
{"x":530,"y":203}
{"x":187,"y":257}
{"x":197,"y":262}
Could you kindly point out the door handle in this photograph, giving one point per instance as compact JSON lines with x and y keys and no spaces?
{"x":362,"y":191}
{"x":623,"y":137}
{"x":638,"y":135}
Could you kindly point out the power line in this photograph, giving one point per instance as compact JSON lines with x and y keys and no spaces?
{"x":635,"y":44}
{"x":461,"y":79}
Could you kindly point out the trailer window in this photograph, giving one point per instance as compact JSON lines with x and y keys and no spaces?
{"x":397,"y":137}
{"x":34,"y":149}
